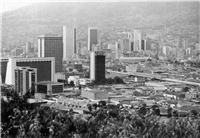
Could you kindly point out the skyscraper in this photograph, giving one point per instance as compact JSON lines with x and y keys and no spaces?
{"x":25,"y":78}
{"x":97,"y":65}
{"x":69,"y":42}
{"x":148,"y":43}
{"x":92,"y":37}
{"x":136,"y":42}
{"x":126,"y":45}
{"x":51,"y":46}
{"x":3,"y":63}
{"x":138,"y":36}
{"x":179,"y":42}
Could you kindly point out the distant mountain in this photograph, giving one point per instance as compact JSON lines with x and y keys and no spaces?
{"x":27,"y":23}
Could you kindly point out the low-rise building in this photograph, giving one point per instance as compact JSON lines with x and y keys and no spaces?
{"x":84,"y":81}
{"x":49,"y":88}
{"x":94,"y":94}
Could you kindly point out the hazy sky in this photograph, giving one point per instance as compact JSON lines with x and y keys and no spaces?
{"x":7,"y":5}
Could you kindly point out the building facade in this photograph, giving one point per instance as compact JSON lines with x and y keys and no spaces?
{"x":45,"y":68}
{"x":69,"y":42}
{"x":49,"y":88}
{"x":97,"y":66}
{"x":3,"y":63}
{"x":92,"y":37}
{"x":25,"y":79}
{"x":51,"y":46}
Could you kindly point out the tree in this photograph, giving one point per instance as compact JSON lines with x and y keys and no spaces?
{"x":117,"y":80}
{"x":72,"y":83}
{"x":169,"y":111}
{"x":194,"y":112}
{"x":87,"y":74}
{"x":110,"y":81}
{"x":156,"y":110}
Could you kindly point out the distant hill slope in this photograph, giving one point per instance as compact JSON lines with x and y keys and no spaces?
{"x":26,"y":23}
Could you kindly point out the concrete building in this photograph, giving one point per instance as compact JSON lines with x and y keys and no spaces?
{"x":84,"y":81}
{"x":185,"y":43}
{"x":29,"y":48}
{"x":92,"y":37}
{"x":166,"y":50}
{"x":97,"y":65}
{"x":63,"y":77}
{"x":117,"y":50}
{"x":125,"y":45}
{"x":25,"y":78}
{"x":49,"y":87}
{"x":45,"y":68}
{"x":69,"y":42}
{"x":148,"y":44}
{"x":179,"y":42}
{"x":138,"y":36}
{"x":3,"y":63}
{"x":51,"y":46}
{"x":197,"y":47}
{"x":95,"y":94}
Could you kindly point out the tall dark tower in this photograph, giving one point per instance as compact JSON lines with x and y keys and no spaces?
{"x":97,"y":65}
{"x":51,"y":46}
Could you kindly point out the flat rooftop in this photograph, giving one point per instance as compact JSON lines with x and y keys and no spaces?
{"x":48,"y":82}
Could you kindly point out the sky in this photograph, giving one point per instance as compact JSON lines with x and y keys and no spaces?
{"x":8,"y":5}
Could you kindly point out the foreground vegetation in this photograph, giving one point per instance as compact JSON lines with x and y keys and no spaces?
{"x":19,"y":119}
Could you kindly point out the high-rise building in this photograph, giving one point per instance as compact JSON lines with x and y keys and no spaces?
{"x":166,"y":50}
{"x":125,"y":45}
{"x":45,"y":68}
{"x":179,"y":42}
{"x":132,"y":46}
{"x":197,"y":47}
{"x":185,"y":43}
{"x":29,"y":48}
{"x":69,"y":42}
{"x":3,"y":64}
{"x":92,"y":37}
{"x":143,"y":45}
{"x":25,"y":79}
{"x":148,"y":43}
{"x":138,"y":37}
{"x":51,"y":46}
{"x":136,"y":41}
{"x":117,"y":50}
{"x":97,"y":65}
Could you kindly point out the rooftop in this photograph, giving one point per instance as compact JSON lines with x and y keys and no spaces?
{"x":48,"y":82}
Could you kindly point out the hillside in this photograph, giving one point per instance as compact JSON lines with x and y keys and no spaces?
{"x":26,"y":23}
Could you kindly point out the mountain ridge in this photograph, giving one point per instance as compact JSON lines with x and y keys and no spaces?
{"x":26,"y":23}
